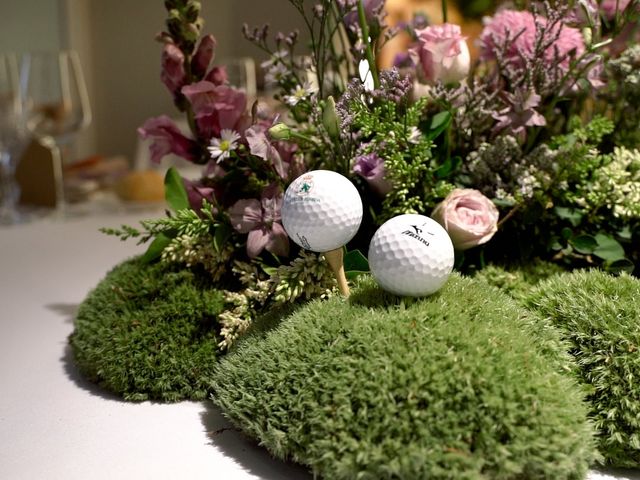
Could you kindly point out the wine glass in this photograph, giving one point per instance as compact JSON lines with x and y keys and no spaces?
{"x":13,"y":137}
{"x":58,"y":106}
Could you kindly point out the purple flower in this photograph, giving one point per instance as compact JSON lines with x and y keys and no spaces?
{"x":371,"y":168}
{"x":204,"y":56}
{"x":281,"y":155}
{"x":262,"y":221}
{"x":167,"y":138}
{"x":520,"y":113}
{"x":172,"y":73}
{"x":217,"y":107}
{"x":197,"y":193}
{"x":217,"y":76}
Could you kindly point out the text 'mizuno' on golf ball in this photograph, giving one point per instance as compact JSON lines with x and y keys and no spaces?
{"x":321,"y":210}
{"x":411,"y":255}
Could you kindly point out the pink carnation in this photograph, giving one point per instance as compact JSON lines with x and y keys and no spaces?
{"x":609,"y":8}
{"x":517,"y":31}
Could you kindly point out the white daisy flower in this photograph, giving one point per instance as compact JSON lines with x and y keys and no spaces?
{"x":300,"y":93}
{"x":414,"y":135}
{"x":221,"y":148}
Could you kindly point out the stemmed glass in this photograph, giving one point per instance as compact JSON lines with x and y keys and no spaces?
{"x":58,"y":106}
{"x":13,"y":136}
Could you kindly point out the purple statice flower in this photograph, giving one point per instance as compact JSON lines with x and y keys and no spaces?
{"x":371,"y":168}
{"x":262,"y":220}
{"x":172,"y":73}
{"x":394,"y":86}
{"x":167,"y":138}
{"x":519,"y":114}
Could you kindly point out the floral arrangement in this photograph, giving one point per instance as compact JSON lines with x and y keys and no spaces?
{"x":529,"y":151}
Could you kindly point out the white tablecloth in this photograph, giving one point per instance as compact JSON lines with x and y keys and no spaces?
{"x":54,"y":424}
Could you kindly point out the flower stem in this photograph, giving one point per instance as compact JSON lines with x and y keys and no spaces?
{"x":445,"y":18}
{"x":367,"y":42}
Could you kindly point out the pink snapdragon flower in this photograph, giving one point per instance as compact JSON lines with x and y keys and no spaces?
{"x":197,"y":193}
{"x":173,"y":74}
{"x":167,"y":138}
{"x":468,"y":216}
{"x":371,"y":168}
{"x":261,"y":219}
{"x":283,"y":156}
{"x":217,"y":107}
{"x":205,"y":53}
{"x":443,"y":53}
{"x":516,"y":30}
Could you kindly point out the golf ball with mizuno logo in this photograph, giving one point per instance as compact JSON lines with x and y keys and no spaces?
{"x":411,"y":255}
{"x":321,"y":210}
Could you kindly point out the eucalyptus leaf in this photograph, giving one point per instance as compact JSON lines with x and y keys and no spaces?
{"x":355,"y":264}
{"x":585,"y":244}
{"x":620,"y":266}
{"x":609,"y":248}
{"x":437,"y":124}
{"x":174,"y":191}
{"x":156,"y":248}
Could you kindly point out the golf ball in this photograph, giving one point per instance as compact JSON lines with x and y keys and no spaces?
{"x":321,"y":210}
{"x":411,"y":255}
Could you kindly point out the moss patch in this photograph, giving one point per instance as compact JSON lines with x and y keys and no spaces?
{"x":599,"y":315}
{"x":148,"y":333}
{"x":517,"y":282}
{"x":464,"y":384}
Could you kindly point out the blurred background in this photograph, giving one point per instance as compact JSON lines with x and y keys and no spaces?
{"x":120,"y":60}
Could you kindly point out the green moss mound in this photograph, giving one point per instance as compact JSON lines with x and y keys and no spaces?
{"x":518,"y":281}
{"x":599,"y":315}
{"x":148,"y":333}
{"x":464,"y":384}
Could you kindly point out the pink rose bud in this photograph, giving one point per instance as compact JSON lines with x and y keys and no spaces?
{"x":468,"y":216}
{"x":443,"y":53}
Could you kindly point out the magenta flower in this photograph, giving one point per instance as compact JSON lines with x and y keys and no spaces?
{"x":516,"y":30}
{"x":371,"y":168}
{"x":204,"y":56}
{"x":443,"y":53}
{"x":217,"y":76}
{"x":262,"y":221}
{"x":167,"y":138}
{"x":172,"y":73}
{"x":217,"y":107}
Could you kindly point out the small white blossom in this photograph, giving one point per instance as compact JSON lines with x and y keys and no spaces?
{"x":414,"y":135}
{"x":301,"y":92}
{"x":221,"y":148}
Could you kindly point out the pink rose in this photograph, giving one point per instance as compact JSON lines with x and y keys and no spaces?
{"x":469,"y":217}
{"x":443,"y":53}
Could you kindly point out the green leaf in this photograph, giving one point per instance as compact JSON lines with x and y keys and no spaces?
{"x":156,"y":248}
{"x":573,"y":216}
{"x":566,"y":233}
{"x":174,"y":191}
{"x":438,"y":124}
{"x":221,"y":236}
{"x":620,"y":266}
{"x":355,"y":264}
{"x":584,"y":244}
{"x":608,"y":248}
{"x":448,"y":167}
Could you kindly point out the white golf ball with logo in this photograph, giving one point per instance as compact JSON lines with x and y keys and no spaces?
{"x":321,"y":210}
{"x":411,"y":255}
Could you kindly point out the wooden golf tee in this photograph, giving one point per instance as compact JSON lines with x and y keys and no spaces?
{"x":335,"y":261}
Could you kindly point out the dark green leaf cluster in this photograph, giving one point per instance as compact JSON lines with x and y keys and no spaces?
{"x":599,"y":315}
{"x":463,"y":384}
{"x":149,"y":333}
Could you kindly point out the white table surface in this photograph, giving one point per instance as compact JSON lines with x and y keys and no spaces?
{"x":56,"y":425}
